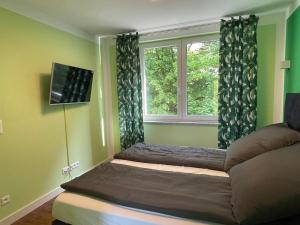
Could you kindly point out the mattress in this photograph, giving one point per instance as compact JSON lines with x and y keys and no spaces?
{"x":77,"y":209}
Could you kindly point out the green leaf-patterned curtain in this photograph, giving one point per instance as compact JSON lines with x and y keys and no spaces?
{"x":129,"y":90}
{"x":238,"y":79}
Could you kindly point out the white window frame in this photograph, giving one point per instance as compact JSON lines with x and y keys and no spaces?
{"x":181,"y":116}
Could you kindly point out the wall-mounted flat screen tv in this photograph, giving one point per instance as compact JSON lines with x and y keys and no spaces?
{"x":70,"y":85}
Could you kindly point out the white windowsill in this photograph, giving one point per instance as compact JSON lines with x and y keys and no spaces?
{"x":203,"y":123}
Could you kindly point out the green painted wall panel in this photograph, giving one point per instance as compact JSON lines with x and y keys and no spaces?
{"x":266,"y":44}
{"x":115,"y":110}
{"x":205,"y":135}
{"x":292,"y":76}
{"x":182,"y":135}
{"x":32,"y":148}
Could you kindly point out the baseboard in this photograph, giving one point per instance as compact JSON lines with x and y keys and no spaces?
{"x":30,"y":207}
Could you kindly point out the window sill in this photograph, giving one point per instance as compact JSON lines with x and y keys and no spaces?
{"x":196,"y":123}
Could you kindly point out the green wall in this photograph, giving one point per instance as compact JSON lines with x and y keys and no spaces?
{"x":292,"y":77}
{"x":266,"y":44}
{"x":206,"y":135}
{"x":115,"y":110}
{"x":32,"y":148}
{"x":182,"y":135}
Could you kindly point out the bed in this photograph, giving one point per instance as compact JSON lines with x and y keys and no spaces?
{"x":162,"y":185}
{"x":79,"y":209}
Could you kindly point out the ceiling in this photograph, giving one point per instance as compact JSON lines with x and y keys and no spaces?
{"x":105,"y":17}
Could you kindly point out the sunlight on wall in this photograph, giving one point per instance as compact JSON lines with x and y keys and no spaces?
{"x":103,"y":136}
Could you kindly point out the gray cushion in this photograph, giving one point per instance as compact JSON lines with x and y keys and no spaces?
{"x":267,"y":187}
{"x":266,"y":139}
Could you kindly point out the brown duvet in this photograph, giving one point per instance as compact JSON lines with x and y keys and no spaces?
{"x":178,"y":194}
{"x":173,"y":155}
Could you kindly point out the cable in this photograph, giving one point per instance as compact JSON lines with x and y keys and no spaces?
{"x":67,"y":141}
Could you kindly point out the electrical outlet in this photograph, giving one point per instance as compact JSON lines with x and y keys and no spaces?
{"x":75,"y":165}
{"x":5,"y":200}
{"x":66,"y":170}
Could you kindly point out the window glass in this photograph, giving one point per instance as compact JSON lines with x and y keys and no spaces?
{"x":161,"y":77}
{"x":202,"y":78}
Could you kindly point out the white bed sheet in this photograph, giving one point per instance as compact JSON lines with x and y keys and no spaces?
{"x":78,"y":209}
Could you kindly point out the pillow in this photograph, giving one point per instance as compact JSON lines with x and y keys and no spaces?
{"x":267,"y":187}
{"x":266,"y":139}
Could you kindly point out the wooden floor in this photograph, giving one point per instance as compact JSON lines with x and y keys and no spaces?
{"x":40,"y":216}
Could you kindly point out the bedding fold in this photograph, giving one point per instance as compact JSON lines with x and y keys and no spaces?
{"x":206,"y":158}
{"x":178,"y":194}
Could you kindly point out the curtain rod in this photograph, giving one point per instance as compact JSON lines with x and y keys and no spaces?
{"x":164,"y":29}
{"x":192,"y":24}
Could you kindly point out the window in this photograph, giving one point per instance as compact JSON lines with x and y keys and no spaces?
{"x":161,"y":70}
{"x":180,"y":80}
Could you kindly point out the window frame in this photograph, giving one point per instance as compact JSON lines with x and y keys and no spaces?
{"x":182,"y":117}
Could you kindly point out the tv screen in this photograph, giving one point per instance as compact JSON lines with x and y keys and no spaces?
{"x":70,"y":84}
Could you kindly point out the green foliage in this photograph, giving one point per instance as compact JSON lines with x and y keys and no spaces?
{"x":161,"y":73}
{"x":202,"y":79}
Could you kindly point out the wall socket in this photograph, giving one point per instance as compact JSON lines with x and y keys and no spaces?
{"x":66,"y":170}
{"x":5,"y":200}
{"x":75,"y":165}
